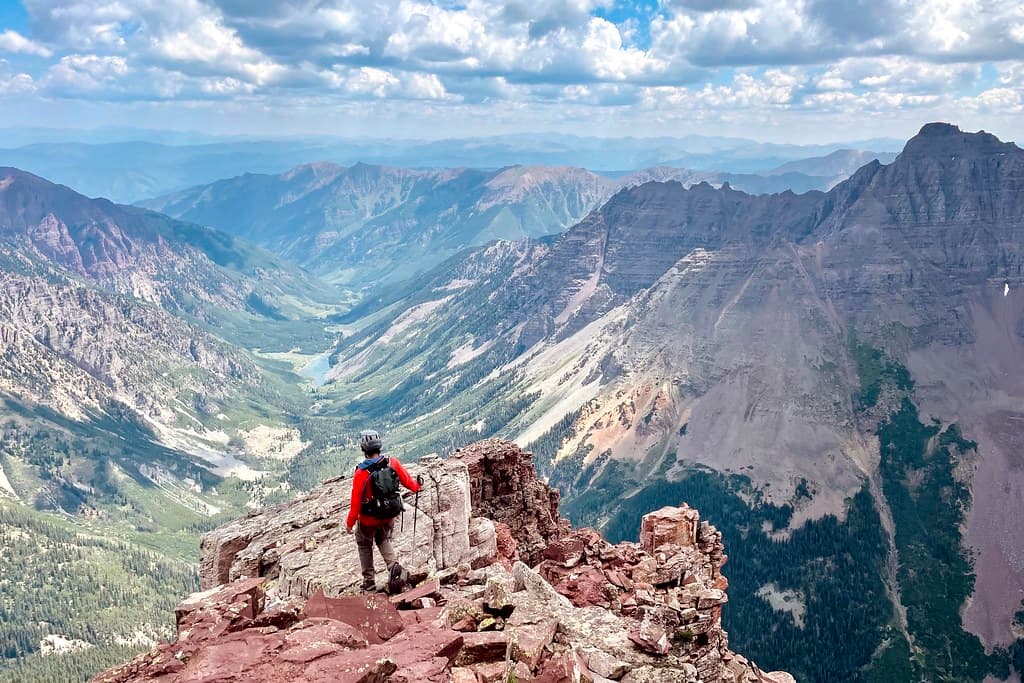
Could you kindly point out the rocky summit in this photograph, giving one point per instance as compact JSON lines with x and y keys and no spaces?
{"x":278,"y":605}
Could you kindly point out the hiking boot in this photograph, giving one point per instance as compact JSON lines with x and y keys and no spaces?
{"x":398,"y":579}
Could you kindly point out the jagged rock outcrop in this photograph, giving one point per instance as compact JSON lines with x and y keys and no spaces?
{"x":505,"y":489}
{"x":647,"y":612}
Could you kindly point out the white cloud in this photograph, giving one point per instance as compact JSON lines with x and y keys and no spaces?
{"x":903,"y":74}
{"x":1000,"y":100}
{"x":377,"y":83}
{"x":14,"y":42}
{"x":84,"y":73}
{"x":732,"y":58}
{"x":14,"y":84}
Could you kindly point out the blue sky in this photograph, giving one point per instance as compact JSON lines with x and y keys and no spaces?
{"x":780,"y":70}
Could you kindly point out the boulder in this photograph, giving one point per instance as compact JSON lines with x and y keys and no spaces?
{"x":320,"y":630}
{"x":482,"y":646}
{"x":669,"y":526}
{"x":373,"y":615}
{"x":247,"y":594}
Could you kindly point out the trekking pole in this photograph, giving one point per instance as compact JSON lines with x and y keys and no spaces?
{"x":416,"y":508}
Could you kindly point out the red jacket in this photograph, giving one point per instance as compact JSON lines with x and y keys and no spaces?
{"x":361,"y":490}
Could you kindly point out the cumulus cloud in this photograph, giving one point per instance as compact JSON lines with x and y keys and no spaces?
{"x":731,"y":57}
{"x":84,"y":73}
{"x":14,"y":42}
{"x":816,"y":31}
{"x":377,"y":83}
{"x":12,"y":83}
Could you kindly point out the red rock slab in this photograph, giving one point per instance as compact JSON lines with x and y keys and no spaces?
{"x":209,"y":624}
{"x":562,"y":667}
{"x":231,"y":658}
{"x":281,"y":615}
{"x":430,"y":589}
{"x":421,"y":642}
{"x":306,"y":653}
{"x":566,"y":551}
{"x":434,"y":670}
{"x":427,"y":615}
{"x":482,"y":647}
{"x":619,"y":579}
{"x":464,"y":624}
{"x":494,"y":672}
{"x":461,"y":674}
{"x":247,"y":591}
{"x":361,"y":666}
{"x":373,"y":614}
{"x":584,"y":586}
{"x":321,"y":630}
{"x":529,"y":641}
{"x":422,"y":653}
{"x":652,"y":639}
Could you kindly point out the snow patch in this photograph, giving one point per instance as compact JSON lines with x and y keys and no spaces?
{"x":221,"y":463}
{"x":787,"y":600}
{"x":5,"y":485}
{"x":466,"y":352}
{"x":414,"y":315}
{"x":460,"y":283}
{"x":55,"y":644}
{"x":279,"y":443}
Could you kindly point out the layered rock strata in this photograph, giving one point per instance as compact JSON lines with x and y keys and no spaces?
{"x":275,"y":606}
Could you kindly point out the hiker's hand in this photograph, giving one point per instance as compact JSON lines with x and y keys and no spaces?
{"x":350,"y":529}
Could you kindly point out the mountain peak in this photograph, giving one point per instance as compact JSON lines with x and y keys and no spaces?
{"x":945,"y":139}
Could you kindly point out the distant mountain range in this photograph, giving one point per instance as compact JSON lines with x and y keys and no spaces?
{"x":130,"y":166}
{"x":365,"y":224}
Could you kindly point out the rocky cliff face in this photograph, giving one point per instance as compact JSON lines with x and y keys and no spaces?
{"x":276,"y":609}
{"x":114,"y":321}
{"x":137,"y":253}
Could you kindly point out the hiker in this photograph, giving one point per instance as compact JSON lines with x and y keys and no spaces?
{"x":376,"y":503}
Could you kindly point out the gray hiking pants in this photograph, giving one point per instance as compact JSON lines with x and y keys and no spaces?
{"x":366,"y":536}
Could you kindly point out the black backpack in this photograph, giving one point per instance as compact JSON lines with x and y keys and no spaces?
{"x":385,"y":500}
